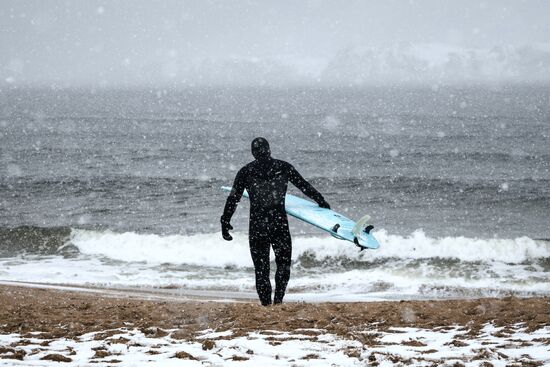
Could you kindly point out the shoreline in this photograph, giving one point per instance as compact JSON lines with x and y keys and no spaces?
{"x":170,"y":293}
{"x":30,"y":316}
{"x":151,"y":294}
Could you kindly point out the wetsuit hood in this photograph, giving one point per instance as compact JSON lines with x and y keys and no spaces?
{"x":260,"y":148}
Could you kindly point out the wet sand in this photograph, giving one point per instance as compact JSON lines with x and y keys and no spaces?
{"x":68,"y":314}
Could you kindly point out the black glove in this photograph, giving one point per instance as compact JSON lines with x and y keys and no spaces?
{"x":225,"y":229}
{"x":324,"y":204}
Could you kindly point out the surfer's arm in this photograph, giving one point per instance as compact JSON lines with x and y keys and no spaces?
{"x":234,"y":197}
{"x":297,"y":180}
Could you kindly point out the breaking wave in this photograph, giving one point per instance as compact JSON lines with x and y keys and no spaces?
{"x":211,"y":251}
{"x":405,"y":266}
{"x":35,"y":240}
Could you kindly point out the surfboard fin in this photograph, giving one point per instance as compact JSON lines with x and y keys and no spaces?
{"x":360,"y":226}
{"x":368,"y":229}
{"x":335,"y":228}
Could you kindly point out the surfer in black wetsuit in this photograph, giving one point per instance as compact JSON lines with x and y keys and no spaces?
{"x":266,"y":180}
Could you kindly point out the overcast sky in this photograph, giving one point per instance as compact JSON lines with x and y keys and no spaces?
{"x":89,"y":41}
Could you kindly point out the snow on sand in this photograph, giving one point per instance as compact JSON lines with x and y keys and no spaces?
{"x":308,"y":347}
{"x":46,"y":327}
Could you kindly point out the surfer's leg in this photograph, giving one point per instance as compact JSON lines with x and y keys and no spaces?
{"x":283,"y":256}
{"x":260,"y":257}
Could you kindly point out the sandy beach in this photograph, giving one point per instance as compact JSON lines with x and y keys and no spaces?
{"x":384,"y":165}
{"x":42,"y":326}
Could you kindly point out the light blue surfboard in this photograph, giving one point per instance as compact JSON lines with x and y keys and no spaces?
{"x":328,"y":220}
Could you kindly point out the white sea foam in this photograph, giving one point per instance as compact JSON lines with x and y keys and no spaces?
{"x":201,"y":249}
{"x":323,"y":268}
{"x":212,"y":251}
{"x":418,"y":245}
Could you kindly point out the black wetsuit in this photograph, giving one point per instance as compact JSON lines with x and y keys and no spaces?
{"x":266,"y":180}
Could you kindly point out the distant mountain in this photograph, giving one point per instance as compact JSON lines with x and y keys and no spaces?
{"x":410,"y":63}
{"x":437,"y":62}
{"x":418,"y":63}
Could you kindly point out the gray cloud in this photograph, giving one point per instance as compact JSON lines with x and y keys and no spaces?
{"x":217,"y":42}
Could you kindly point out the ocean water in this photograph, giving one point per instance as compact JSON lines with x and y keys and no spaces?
{"x":120,"y":188}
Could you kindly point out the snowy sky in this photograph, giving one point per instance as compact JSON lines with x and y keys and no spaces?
{"x":118,"y":42}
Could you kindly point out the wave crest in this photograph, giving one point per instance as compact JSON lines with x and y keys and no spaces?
{"x":35,"y":240}
{"x":211,"y":251}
